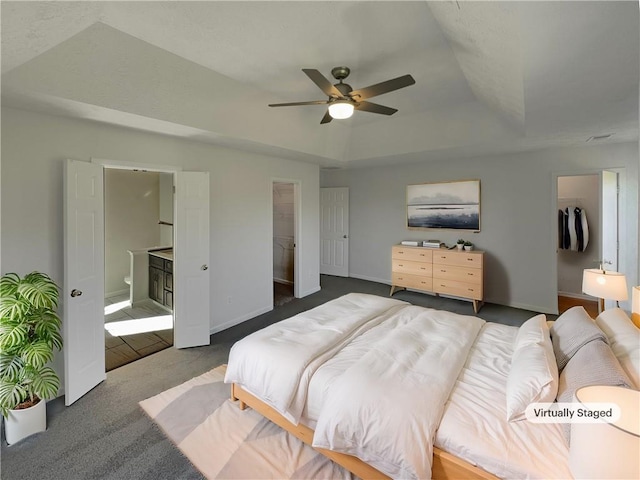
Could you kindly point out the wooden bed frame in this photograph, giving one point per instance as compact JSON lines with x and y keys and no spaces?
{"x":445,"y":465}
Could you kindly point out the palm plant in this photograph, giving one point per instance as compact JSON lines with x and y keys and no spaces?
{"x":29,"y":332}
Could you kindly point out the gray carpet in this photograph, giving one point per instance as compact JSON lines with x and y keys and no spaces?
{"x":106,"y":435}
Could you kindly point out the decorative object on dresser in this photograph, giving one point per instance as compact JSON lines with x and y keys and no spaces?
{"x":468,"y":246}
{"x":445,"y":205}
{"x":438,"y":271}
{"x":460,"y":243}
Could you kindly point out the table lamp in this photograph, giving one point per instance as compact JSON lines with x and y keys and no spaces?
{"x":606,"y":450}
{"x":604,"y":285}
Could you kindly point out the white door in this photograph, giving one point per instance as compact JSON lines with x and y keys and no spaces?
{"x":191,"y":265}
{"x":334,"y":231}
{"x":609,"y":224}
{"x":83,"y":295}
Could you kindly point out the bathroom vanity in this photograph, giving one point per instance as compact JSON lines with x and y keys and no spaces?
{"x":161,"y":276}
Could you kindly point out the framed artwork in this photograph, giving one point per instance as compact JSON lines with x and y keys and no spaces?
{"x":445,"y":205}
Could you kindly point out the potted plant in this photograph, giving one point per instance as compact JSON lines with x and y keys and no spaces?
{"x":460,"y":243}
{"x":468,"y":245}
{"x":29,"y":332}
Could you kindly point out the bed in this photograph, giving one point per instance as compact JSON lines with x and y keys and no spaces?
{"x":390,"y":390}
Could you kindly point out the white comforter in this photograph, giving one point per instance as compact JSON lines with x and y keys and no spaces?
{"x":384,"y":408}
{"x":276,"y":363}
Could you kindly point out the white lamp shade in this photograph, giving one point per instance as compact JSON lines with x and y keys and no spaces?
{"x":607,"y":450}
{"x":602,"y":284}
{"x":341,"y":109}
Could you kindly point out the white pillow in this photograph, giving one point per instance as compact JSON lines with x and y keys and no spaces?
{"x":624,"y":339}
{"x":533,"y":376}
{"x":532,"y":331}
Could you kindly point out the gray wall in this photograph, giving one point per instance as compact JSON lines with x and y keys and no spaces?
{"x":518,"y":216}
{"x":34,"y":149}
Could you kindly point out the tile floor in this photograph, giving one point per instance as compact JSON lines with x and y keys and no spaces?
{"x":133,"y":333}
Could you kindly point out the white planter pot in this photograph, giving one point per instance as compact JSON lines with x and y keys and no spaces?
{"x":459,"y":245}
{"x":22,"y":423}
{"x":468,"y":247}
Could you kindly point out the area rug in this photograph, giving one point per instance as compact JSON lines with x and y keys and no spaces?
{"x":223,"y":441}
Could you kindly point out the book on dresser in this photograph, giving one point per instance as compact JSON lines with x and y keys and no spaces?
{"x":440,"y":271}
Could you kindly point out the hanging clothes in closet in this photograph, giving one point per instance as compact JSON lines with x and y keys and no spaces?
{"x":573,"y":229}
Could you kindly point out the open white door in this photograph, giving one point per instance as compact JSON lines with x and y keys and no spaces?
{"x":83,"y":295}
{"x":191,"y":265}
{"x":334,"y":231}
{"x":609,"y":224}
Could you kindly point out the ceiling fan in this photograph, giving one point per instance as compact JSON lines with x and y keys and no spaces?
{"x":343,"y":100}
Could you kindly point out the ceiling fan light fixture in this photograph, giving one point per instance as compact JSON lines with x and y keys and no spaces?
{"x":341,"y":109}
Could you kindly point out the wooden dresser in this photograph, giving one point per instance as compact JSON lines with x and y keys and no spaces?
{"x":440,"y":271}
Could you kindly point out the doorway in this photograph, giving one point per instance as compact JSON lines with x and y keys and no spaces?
{"x":284,"y":242}
{"x":138,"y":312}
{"x":588,"y":233}
{"x":84,"y":240}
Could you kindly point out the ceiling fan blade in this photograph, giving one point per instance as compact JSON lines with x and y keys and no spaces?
{"x":320,"y":80}
{"x":375,"y":108}
{"x":383,"y":87}
{"x":327,"y":118}
{"x":295,"y":104}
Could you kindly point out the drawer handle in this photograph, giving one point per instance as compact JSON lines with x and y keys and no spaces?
{"x":470,"y":274}
{"x":422,"y":254}
{"x":422,"y":268}
{"x":471,"y":289}
{"x":443,"y":271}
{"x":469,"y":259}
{"x":442,"y":285}
{"x":443,"y":257}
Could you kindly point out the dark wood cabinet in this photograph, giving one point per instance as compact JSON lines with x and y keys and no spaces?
{"x":161,"y":280}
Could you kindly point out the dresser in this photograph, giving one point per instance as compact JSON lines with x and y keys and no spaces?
{"x":439,"y":271}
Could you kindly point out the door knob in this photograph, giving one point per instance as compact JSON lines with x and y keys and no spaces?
{"x":76,"y":293}
{"x":345,"y":236}
{"x":204,"y":267}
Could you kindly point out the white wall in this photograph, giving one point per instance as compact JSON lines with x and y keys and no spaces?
{"x":283,"y":232}
{"x":131,"y":209}
{"x":518,"y":216}
{"x":166,"y":208}
{"x":579,"y":191}
{"x":35,"y":146}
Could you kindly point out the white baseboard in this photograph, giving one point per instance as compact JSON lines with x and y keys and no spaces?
{"x":310,"y":291}
{"x":283,"y":281}
{"x":370,"y":279}
{"x":242,"y":318}
{"x":580,"y":296}
{"x":119,"y":292}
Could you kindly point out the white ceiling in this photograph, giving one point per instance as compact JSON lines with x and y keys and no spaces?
{"x":491,"y":77}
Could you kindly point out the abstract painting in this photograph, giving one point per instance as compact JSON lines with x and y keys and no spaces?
{"x":450,"y":205}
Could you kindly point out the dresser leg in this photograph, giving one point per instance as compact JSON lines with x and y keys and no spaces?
{"x":477,"y":305}
{"x":393,"y":289}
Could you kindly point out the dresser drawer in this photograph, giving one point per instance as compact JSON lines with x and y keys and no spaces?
{"x":462,"y":274}
{"x":462,"y":259}
{"x":407,"y":266}
{"x":411,"y":281}
{"x":457,"y":288}
{"x":416,"y":254}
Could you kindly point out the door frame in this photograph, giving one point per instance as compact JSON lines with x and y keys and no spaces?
{"x":135,"y":166}
{"x":297,"y":205}
{"x":623,"y":247}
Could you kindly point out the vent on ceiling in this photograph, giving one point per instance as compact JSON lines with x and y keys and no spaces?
{"x":597,"y":138}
